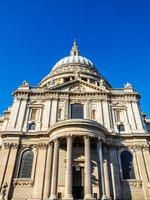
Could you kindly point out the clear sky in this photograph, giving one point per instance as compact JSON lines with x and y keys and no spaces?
{"x":114,"y":34}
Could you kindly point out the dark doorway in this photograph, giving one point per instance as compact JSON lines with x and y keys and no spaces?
{"x":78,"y":188}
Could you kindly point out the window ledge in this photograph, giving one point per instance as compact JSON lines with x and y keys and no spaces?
{"x":132,"y":182}
{"x":23,"y":182}
{"x":32,"y":131}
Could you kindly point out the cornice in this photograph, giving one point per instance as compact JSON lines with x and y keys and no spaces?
{"x":138,"y":147}
{"x":56,"y":94}
{"x":10,"y":145}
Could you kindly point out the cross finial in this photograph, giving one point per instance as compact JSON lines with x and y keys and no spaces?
{"x":75,"y":51}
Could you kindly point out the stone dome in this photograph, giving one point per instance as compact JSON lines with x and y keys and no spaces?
{"x":70,"y":68}
{"x":74,"y":59}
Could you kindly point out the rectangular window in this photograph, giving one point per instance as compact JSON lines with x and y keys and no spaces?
{"x":33,"y":114}
{"x":93,"y":114}
{"x":76,"y":111}
{"x":59,"y":113}
{"x":32,"y":126}
{"x":121,"y":128}
{"x":118,"y":115}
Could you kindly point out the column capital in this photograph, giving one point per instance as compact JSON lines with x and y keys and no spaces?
{"x":87,"y":138}
{"x":99,"y":140}
{"x":50,"y":143}
{"x":56,"y":141}
{"x":69,"y":137}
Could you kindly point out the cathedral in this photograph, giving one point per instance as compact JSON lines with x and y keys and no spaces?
{"x":74,"y":136}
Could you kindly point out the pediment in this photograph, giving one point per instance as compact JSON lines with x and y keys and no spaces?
{"x":77,"y":86}
{"x":35,"y":103}
{"x":118,"y":104}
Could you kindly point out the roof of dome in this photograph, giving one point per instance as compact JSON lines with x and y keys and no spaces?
{"x":74,"y":58}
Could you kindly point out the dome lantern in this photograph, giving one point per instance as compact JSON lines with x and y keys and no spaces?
{"x":75,"y":51}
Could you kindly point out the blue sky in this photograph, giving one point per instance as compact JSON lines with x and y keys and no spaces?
{"x":114,"y":34}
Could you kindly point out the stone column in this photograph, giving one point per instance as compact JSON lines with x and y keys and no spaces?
{"x":88,"y":173}
{"x":68,"y":186}
{"x":55,"y":171}
{"x":115,"y":175}
{"x":106,"y":173}
{"x":47,"y":184}
{"x":100,"y":155}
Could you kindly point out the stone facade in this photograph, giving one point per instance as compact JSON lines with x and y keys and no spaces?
{"x":74,"y":157}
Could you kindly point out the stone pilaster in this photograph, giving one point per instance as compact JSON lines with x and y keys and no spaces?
{"x":14,"y":114}
{"x":53,"y":112}
{"x":46,"y":115}
{"x":40,"y":169}
{"x":131,"y":116}
{"x":106,"y":114}
{"x":66,"y":108}
{"x":146,"y":155}
{"x":21,"y":114}
{"x":10,"y":166}
{"x":138,"y":118}
{"x":3,"y":162}
{"x":143,"y":171}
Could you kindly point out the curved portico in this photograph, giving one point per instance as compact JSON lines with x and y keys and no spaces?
{"x":78,"y":127}
{"x":83,"y":133}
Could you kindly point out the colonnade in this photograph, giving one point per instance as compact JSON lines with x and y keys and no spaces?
{"x":50,"y":189}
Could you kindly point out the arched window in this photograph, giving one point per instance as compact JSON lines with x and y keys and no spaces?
{"x":127,"y":165}
{"x":76,"y":111}
{"x":26,"y":164}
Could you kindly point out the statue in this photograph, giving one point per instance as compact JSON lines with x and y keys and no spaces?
{"x":25,"y":83}
{"x":52,"y":83}
{"x":3,"y":191}
{"x":128,"y":85}
{"x":77,"y":74}
{"x":101,"y":82}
